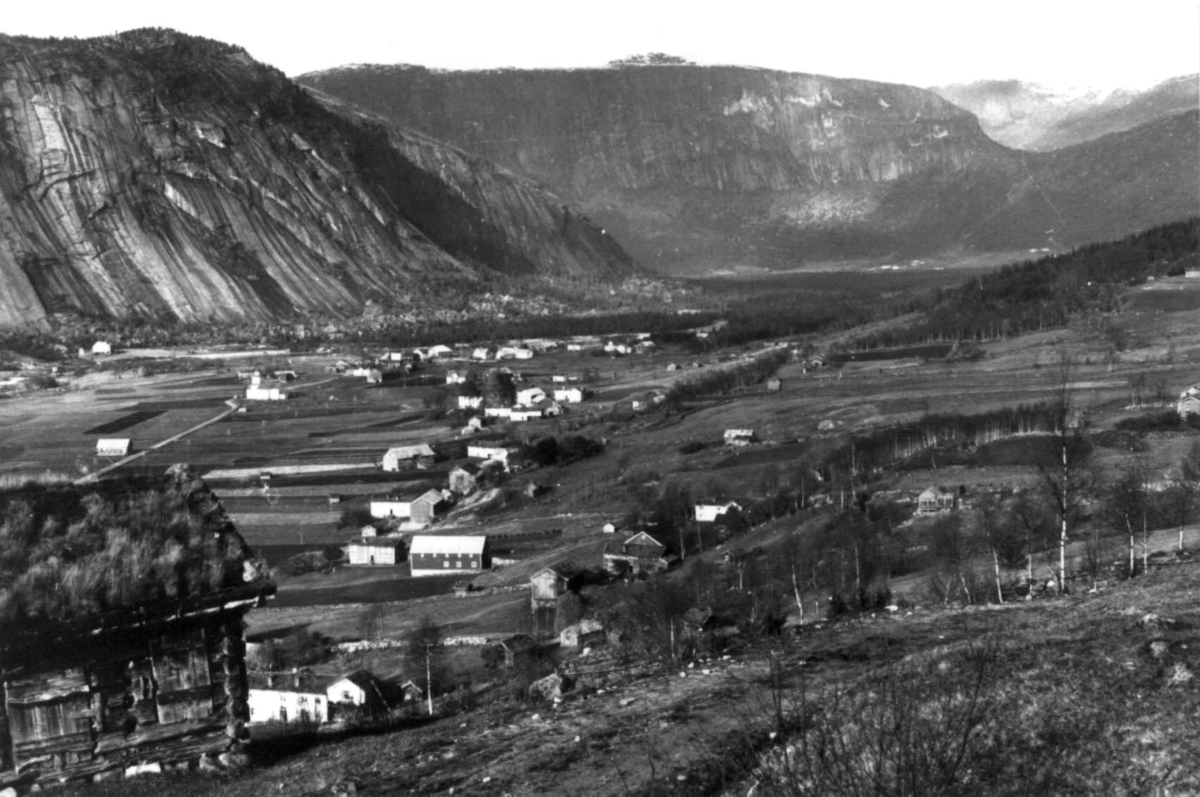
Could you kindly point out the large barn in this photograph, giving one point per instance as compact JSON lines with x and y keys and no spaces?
{"x":433,"y":555}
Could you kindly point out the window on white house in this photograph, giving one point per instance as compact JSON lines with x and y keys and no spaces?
{"x":445,"y":564}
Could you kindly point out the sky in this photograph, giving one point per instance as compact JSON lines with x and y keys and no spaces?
{"x":1059,"y":43}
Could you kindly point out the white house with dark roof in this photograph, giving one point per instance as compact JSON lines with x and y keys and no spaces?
{"x":408,"y":457}
{"x":437,"y":555}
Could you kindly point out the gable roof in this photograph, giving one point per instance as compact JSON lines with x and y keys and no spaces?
{"x":363,"y":679}
{"x":642,"y":537}
{"x":408,"y":452}
{"x":429,"y":496}
{"x":435,"y":544}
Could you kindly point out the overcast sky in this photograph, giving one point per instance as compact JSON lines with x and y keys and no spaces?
{"x":1104,"y":44}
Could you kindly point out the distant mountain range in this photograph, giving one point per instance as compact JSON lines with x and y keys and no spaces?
{"x":696,"y":168}
{"x":166,"y":176}
{"x":1033,"y":117}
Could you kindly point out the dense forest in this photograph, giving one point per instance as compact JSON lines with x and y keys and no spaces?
{"x":72,"y":556}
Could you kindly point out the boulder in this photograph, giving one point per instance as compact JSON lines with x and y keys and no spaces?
{"x":552,"y":687}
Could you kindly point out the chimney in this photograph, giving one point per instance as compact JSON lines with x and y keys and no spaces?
{"x":295,"y":678}
{"x":270,"y":680}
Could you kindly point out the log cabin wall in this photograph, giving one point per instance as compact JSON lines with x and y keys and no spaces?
{"x":167,"y":694}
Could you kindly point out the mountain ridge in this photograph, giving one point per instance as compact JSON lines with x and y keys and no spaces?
{"x":1040,"y":118}
{"x":698,"y":168}
{"x":157,"y":174}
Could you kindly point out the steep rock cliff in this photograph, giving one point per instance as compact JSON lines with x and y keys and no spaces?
{"x":167,"y":176}
{"x":697,"y":167}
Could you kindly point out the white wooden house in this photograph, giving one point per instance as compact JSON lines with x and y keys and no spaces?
{"x":408,"y":457}
{"x":438,"y":351}
{"x":498,"y":453}
{"x":360,"y":689}
{"x":101,"y":347}
{"x":287,"y":697}
{"x":482,"y":353}
{"x":470,"y":402}
{"x":386,"y":551}
{"x":391,"y":508}
{"x":935,"y":500}
{"x":530,"y":396}
{"x":112,"y":447}
{"x":568,"y":395}
{"x":708,"y":513}
{"x":263,"y":392}
{"x":740,"y":437}
{"x":455,"y":378}
{"x":1189,"y":402}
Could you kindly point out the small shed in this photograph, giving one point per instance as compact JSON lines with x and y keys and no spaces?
{"x":549,"y":584}
{"x":568,"y":395}
{"x":101,"y":347}
{"x":425,"y":506}
{"x":517,"y":649}
{"x":609,"y":528}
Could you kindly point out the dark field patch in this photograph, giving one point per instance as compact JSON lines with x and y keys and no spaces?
{"x":927,"y":352}
{"x":114,"y":391}
{"x":181,"y":404}
{"x":1164,"y":301}
{"x":400,"y":589}
{"x":124,"y":422}
{"x":212,"y":381}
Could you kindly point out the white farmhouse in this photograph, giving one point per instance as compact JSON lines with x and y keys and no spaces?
{"x":408,"y":457}
{"x":112,"y":447}
{"x":568,"y":395}
{"x":498,"y":453}
{"x":707,"y":513}
{"x":299,"y":697}
{"x":100,"y":348}
{"x":391,"y":508}
{"x":261,"y":392}
{"x":530,"y":396}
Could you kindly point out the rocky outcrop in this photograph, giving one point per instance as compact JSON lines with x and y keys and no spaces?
{"x":696,"y":168}
{"x":171,"y":177}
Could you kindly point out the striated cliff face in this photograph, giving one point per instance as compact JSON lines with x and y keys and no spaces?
{"x":726,"y":128}
{"x":161,"y":175}
{"x":703,"y":167}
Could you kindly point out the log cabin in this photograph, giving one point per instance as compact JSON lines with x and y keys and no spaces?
{"x":105,"y":670}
